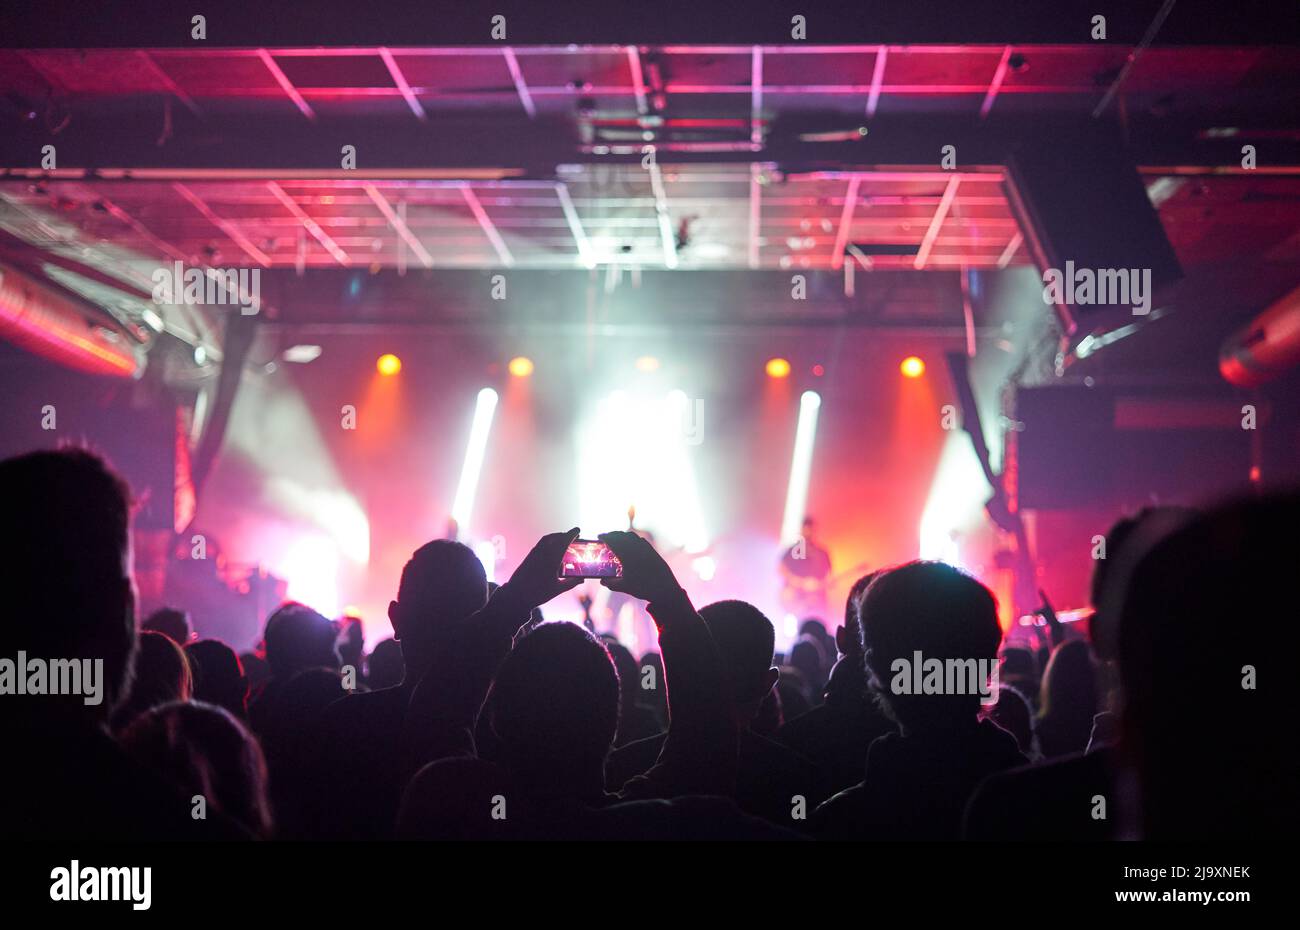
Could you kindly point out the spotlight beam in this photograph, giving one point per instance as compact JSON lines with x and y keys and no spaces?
{"x":466,"y":489}
{"x":796,"y":495}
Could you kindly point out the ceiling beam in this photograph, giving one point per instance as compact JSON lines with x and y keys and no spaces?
{"x":232,"y":231}
{"x":399,"y":79}
{"x":285,"y":84}
{"x":521,"y":86}
{"x":585,"y":255}
{"x":399,"y":224}
{"x":846,"y":221}
{"x":940,"y":213}
{"x":877,"y":80}
{"x":488,"y":227}
{"x":309,"y":224}
{"x":995,"y":85}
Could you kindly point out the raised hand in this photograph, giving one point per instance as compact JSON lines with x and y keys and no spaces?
{"x":536,"y":579}
{"x":645,"y":574}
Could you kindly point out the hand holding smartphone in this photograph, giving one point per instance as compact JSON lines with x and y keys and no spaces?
{"x":590,"y":558}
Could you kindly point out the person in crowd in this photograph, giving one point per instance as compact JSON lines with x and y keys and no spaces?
{"x":1057,"y":801}
{"x":351,"y":645}
{"x":258,"y":673}
{"x":289,"y":723}
{"x":172,"y":622}
{"x":441,"y":585}
{"x":1068,"y":701}
{"x":384,"y":665}
{"x":208,"y":756}
{"x":161,"y":674}
{"x":554,"y":707}
{"x":918,"y":780}
{"x":768,"y":773}
{"x":835,"y":735}
{"x":1019,"y":670}
{"x":1208,"y":723}
{"x":794,"y":692}
{"x":636,"y":721}
{"x":218,"y":676}
{"x":297,"y":638}
{"x":65,"y":571}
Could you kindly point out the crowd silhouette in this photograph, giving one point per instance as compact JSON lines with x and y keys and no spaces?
{"x":480,"y":720}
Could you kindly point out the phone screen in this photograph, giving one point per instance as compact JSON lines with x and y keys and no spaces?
{"x":590,"y":558}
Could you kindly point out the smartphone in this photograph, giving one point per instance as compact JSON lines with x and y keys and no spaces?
{"x":590,"y":558}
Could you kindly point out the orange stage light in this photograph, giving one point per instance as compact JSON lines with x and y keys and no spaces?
{"x":388,"y":364}
{"x":912,"y":367}
{"x":777,"y":368}
{"x":521,"y":366}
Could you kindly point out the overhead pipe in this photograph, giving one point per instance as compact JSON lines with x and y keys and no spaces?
{"x":46,"y":322}
{"x":1265,"y":347}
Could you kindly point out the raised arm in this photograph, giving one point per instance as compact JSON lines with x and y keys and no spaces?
{"x":699,"y":756}
{"x":445,"y":705}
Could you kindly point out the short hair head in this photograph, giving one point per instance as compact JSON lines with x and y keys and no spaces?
{"x":555,"y":702}
{"x":203,"y":750}
{"x":65,"y":560}
{"x":936,"y":610}
{"x":298,"y":638}
{"x":442,"y":584}
{"x":746,"y":640}
{"x":169,"y":621}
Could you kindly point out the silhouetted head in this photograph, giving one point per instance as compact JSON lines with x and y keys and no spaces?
{"x":940,"y":612}
{"x":203,"y":750}
{"x":169,"y":621}
{"x":554,"y":706}
{"x":1206,"y":653}
{"x":218,"y":676}
{"x":745,"y":640}
{"x":65,"y":565}
{"x":814,"y":628}
{"x":442,"y":584}
{"x":351,"y":640}
{"x":161,"y":675}
{"x":255,"y":668}
{"x":1069,"y":687}
{"x":384,"y":668}
{"x":298,"y":638}
{"x":1128,"y":539}
{"x":848,"y":638}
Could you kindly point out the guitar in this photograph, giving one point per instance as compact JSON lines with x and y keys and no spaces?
{"x":801,"y":594}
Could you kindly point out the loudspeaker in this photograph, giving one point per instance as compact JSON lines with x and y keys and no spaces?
{"x":1096,"y":447}
{"x":1079,"y":199}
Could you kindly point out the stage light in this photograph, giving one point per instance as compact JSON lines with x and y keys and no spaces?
{"x":912,"y":367}
{"x":486,"y":552}
{"x":647,"y":363}
{"x":634,"y":447}
{"x":463,"y":504}
{"x":818,"y":371}
{"x":388,"y":365}
{"x":310,"y":567}
{"x":777,"y":368}
{"x":154,"y":320}
{"x":302,"y":354}
{"x":705,"y":567}
{"x":521,"y":366}
{"x":796,"y":495}
{"x":954,"y":507}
